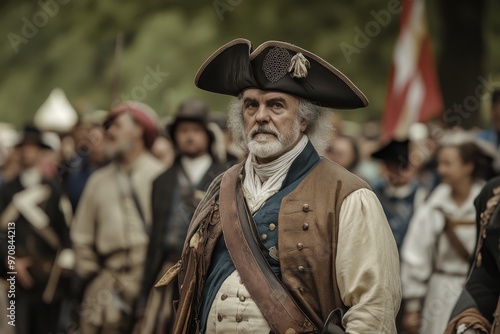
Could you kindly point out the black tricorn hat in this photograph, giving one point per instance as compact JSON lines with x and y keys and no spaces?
{"x":394,"y":151}
{"x":278,"y":66}
{"x":32,"y":135}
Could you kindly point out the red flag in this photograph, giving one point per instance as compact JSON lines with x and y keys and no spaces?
{"x":413,"y":94}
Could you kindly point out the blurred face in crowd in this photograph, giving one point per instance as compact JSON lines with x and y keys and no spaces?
{"x":89,"y":141}
{"x":163,"y":150}
{"x":192,"y":139}
{"x":271,"y":121}
{"x":397,"y":174}
{"x":451,"y":167}
{"x":30,"y":154}
{"x":122,"y":136}
{"x":495,"y":115}
{"x":341,"y":151}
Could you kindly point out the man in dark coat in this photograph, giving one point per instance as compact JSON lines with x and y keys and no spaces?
{"x":35,"y":241}
{"x":176,"y":194}
{"x":477,"y":309}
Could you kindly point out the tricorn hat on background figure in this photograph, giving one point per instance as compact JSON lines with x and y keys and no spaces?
{"x":395,"y":151}
{"x":278,"y":66}
{"x":32,"y":135}
{"x":192,"y":110}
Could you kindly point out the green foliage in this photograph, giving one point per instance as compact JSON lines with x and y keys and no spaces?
{"x":75,"y":49}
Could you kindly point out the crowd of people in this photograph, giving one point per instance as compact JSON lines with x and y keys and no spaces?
{"x":123,"y":201}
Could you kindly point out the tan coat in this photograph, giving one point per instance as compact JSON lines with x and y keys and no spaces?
{"x":110,"y":238}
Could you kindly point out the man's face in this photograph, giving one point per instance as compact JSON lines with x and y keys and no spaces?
{"x":397,"y":175}
{"x":30,"y":155}
{"x":342,"y":152}
{"x":451,"y":168}
{"x":271,"y":121}
{"x":192,"y":139}
{"x":121,"y":136}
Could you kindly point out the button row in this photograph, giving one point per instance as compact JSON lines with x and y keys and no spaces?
{"x":238,"y":318}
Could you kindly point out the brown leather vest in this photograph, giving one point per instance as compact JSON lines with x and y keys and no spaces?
{"x":307,"y":244}
{"x":307,"y":238}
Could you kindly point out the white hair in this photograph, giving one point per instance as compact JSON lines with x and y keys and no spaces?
{"x":318,"y":128}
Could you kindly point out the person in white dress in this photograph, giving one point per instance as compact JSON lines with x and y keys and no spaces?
{"x":441,"y":237}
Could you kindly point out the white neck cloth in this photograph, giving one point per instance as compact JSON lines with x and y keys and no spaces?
{"x":264,"y":180}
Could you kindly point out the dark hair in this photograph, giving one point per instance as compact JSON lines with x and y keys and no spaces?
{"x":495,"y":96}
{"x":471,"y":153}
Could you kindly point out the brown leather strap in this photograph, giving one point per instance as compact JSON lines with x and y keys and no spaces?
{"x":273,"y":300}
{"x":495,"y":326}
{"x":454,"y":240}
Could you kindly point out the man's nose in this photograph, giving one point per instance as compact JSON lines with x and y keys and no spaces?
{"x":262,"y":114}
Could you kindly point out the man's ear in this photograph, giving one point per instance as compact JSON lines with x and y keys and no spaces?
{"x":303,"y":125}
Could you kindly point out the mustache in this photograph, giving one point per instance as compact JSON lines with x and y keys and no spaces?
{"x":263,"y":129}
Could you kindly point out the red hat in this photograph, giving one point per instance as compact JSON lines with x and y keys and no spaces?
{"x":144,"y":115}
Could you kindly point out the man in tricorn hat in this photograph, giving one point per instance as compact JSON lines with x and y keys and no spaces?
{"x":176,"y":194}
{"x":113,"y":219}
{"x":398,"y":189}
{"x":35,"y":244}
{"x":286,"y":237}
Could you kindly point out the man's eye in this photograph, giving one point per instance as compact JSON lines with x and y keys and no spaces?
{"x":277,"y":105}
{"x":251,"y":105}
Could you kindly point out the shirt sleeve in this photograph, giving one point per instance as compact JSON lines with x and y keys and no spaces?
{"x":367,"y":266}
{"x":83,"y":234}
{"x":416,"y":257}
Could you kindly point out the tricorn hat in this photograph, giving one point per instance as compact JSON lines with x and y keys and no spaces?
{"x":192,"y":110}
{"x":32,"y":135}
{"x":278,"y":66}
{"x":394,"y":151}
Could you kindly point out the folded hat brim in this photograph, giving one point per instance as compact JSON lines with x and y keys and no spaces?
{"x":235,"y":67}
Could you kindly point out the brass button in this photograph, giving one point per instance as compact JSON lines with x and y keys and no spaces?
{"x":219,"y":317}
{"x":305,"y":226}
{"x":223,"y":297}
{"x":263,"y":236}
{"x":301,"y":269}
{"x":290,"y":331}
{"x":306,"y":207}
{"x":239,"y":318}
{"x":300,"y":246}
{"x":242,"y":298}
{"x":272,"y":227}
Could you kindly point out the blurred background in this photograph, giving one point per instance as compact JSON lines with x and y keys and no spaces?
{"x":76,"y":45}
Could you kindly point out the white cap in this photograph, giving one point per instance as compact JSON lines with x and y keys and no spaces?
{"x":56,"y":113}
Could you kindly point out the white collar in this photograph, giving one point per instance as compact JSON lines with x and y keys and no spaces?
{"x":196,"y":168}
{"x":264,"y":180}
{"x":30,"y":177}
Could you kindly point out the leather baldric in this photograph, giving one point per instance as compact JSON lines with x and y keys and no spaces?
{"x":280,"y":310}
